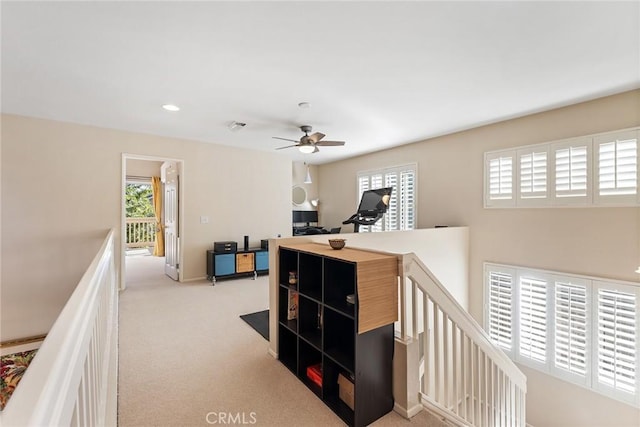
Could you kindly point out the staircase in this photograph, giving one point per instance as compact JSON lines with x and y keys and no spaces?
{"x":460,"y":375}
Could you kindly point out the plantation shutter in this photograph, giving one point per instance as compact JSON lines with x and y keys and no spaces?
{"x":571,"y":171}
{"x":500,"y":171}
{"x":533,"y":318}
{"x":571,"y":333}
{"x":392,"y":217}
{"x":617,"y":166}
{"x":401,"y":211}
{"x":364,"y":184}
{"x":499,"y":311}
{"x":533,"y":174}
{"x":617,"y":334}
{"x":407,"y":199}
{"x":377,"y":181}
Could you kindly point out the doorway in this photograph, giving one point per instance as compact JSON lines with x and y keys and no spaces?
{"x":141,"y":218}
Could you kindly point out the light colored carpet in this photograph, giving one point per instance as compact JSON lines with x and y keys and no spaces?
{"x":187,"y":359}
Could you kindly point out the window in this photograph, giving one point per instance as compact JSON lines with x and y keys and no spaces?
{"x":532,"y":312}
{"x":401,"y":213}
{"x":617,"y":335}
{"x":499,"y":178}
{"x":533,"y":173}
{"x":571,"y":309}
{"x":580,"y":329}
{"x":572,"y":179}
{"x":499,"y":313}
{"x":561,"y":173}
{"x":617,"y":167}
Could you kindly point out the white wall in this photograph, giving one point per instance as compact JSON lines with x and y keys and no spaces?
{"x":599,"y":242}
{"x":61,"y":192}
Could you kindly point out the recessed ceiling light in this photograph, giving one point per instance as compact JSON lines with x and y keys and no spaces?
{"x":304,"y":105}
{"x":171,"y":107}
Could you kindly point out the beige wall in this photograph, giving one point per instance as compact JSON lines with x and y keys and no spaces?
{"x":591,"y":241}
{"x":61,"y":192}
{"x":143,"y":168}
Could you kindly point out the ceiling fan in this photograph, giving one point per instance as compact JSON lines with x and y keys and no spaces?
{"x":309,"y":143}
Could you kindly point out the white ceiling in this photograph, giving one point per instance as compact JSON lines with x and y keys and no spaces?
{"x":377,"y":74}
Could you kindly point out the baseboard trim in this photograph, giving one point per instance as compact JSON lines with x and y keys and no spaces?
{"x":195,"y":279}
{"x":408,"y":413}
{"x":273,"y":353}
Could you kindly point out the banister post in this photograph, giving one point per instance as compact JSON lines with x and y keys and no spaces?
{"x":406,"y":356}
{"x":406,"y":377}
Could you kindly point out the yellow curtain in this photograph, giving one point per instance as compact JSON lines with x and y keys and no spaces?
{"x":158,"y":249}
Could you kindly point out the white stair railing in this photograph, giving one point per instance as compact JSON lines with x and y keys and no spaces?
{"x":72,"y":380}
{"x":463,"y":376}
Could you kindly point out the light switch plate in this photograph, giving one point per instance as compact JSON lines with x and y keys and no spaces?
{"x":204,"y":219}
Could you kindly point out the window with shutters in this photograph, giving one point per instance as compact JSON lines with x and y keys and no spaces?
{"x":499,"y":313}
{"x":401,"y":213}
{"x":617,"y":336}
{"x":533,"y":174}
{"x":499,"y":177}
{"x":617,"y":167}
{"x":532,"y":318}
{"x":572,"y":178}
{"x":570,"y":335}
{"x":596,"y":170}
{"x":581,"y":329}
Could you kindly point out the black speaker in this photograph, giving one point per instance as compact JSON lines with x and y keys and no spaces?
{"x":246,"y":243}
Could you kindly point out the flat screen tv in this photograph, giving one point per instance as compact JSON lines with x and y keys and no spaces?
{"x":305,"y":216}
{"x":374,"y":202}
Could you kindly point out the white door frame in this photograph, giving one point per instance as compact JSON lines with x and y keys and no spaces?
{"x":123,"y":202}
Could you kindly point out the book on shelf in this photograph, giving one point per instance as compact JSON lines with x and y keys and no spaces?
{"x":292,"y":309}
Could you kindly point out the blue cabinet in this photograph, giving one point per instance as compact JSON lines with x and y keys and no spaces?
{"x":221,"y":265}
{"x":262,"y":260}
{"x":224,"y":265}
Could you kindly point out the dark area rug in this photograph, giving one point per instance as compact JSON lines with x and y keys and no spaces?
{"x":258,"y":321}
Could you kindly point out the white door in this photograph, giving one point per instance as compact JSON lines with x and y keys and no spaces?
{"x":170,"y":178}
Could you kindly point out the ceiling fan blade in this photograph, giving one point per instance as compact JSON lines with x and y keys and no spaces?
{"x":330,"y":143}
{"x":316,"y":137}
{"x":284,"y":139}
{"x":288,"y":146}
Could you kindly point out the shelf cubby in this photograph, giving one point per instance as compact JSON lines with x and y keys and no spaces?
{"x":288,"y":348}
{"x":310,"y":276}
{"x":339,"y":344}
{"x":283,"y":308}
{"x":288,"y":263}
{"x":309,"y":356}
{"x":331,"y":391}
{"x":339,"y":282}
{"x":309,"y":321}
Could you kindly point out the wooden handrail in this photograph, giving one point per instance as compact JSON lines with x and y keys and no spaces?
{"x":21,"y":341}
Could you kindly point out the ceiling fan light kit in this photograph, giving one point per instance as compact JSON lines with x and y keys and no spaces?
{"x":309,"y":143}
{"x":307,"y":149}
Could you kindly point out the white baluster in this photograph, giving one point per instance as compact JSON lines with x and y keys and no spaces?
{"x":456,"y":388}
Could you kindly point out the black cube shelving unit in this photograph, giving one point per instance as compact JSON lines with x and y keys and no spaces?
{"x":345,"y":338}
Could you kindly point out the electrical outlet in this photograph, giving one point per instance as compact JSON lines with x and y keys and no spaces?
{"x":204,"y":219}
